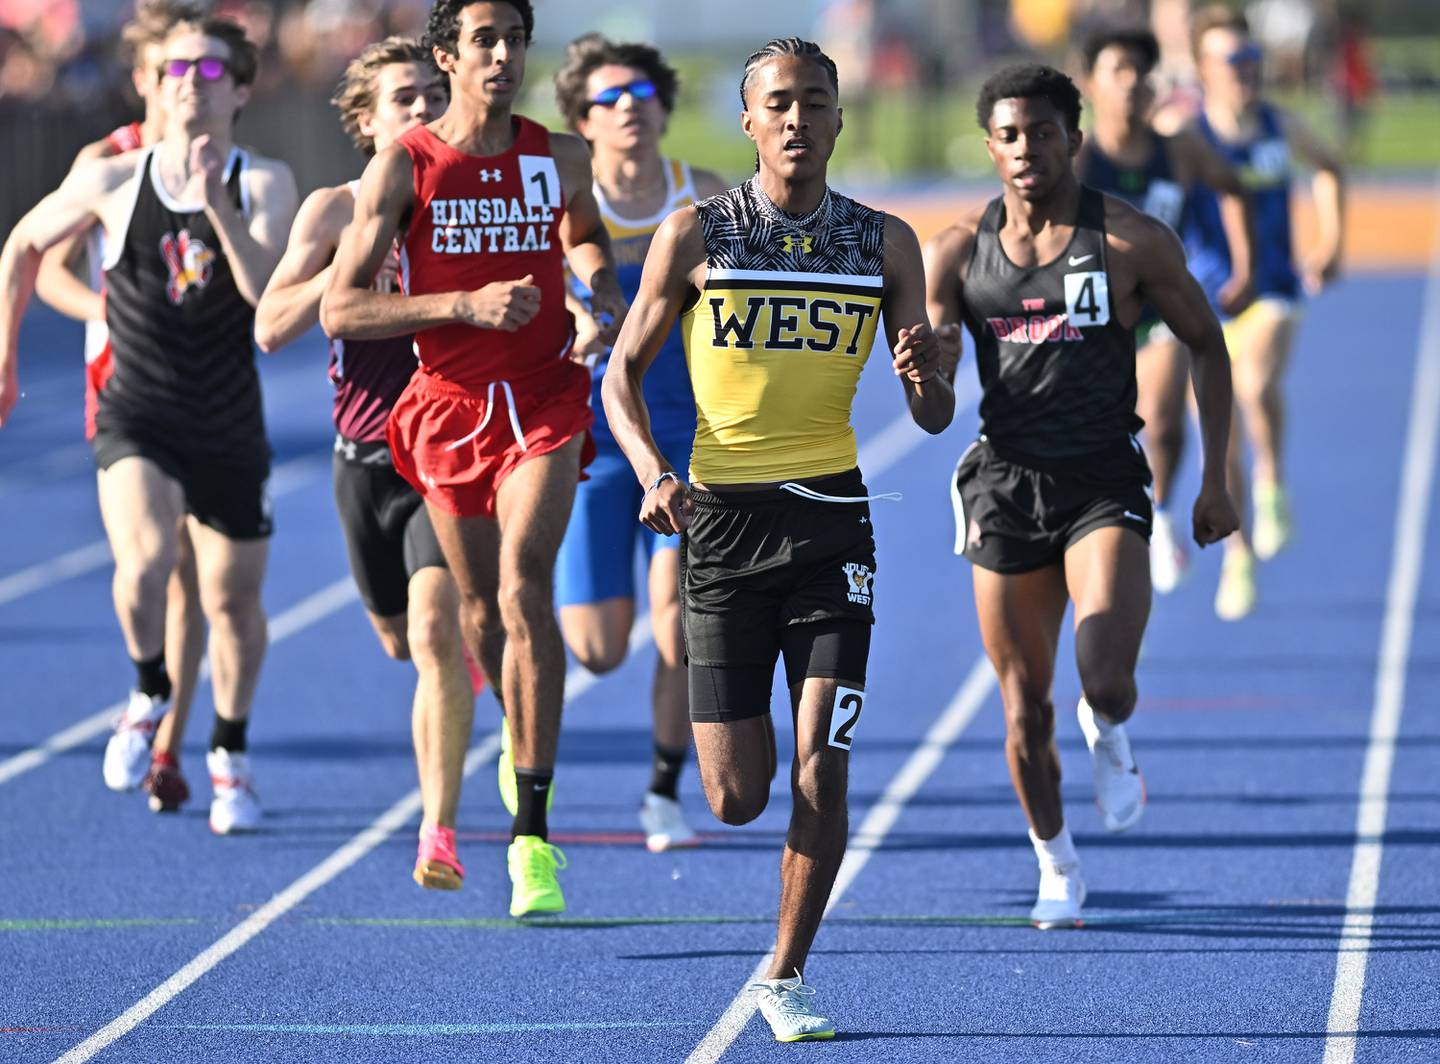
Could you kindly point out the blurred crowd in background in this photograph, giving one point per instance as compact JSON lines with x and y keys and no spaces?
{"x":908,"y":71}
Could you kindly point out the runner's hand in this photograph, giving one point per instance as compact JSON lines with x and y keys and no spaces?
{"x":1319,"y":276}
{"x":505,"y":305}
{"x":386,"y":280}
{"x":951,"y":348}
{"x":1235,"y":294}
{"x":206,"y":160}
{"x":666,"y":509}
{"x":1214,"y":515}
{"x":607,"y":301}
{"x":917,"y":354}
{"x":589,"y":340}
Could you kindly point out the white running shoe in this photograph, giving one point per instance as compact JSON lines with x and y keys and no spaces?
{"x":127,"y":754}
{"x":235,"y":807}
{"x":1061,"y":897}
{"x":1168,"y":561}
{"x":664,"y":823}
{"x":785,"y":1004}
{"x":1119,"y":787}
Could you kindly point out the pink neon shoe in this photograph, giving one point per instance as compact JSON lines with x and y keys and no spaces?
{"x":438,"y":867}
{"x":477,"y":678}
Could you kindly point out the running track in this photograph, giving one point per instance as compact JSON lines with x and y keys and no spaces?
{"x":1213,"y":929}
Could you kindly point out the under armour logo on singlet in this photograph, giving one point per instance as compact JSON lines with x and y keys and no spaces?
{"x":490,"y":175}
{"x":189,"y":262}
{"x":807,"y":244}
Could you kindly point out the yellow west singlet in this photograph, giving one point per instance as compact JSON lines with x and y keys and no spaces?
{"x":777,"y":339}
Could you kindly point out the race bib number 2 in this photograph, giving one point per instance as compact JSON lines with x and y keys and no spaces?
{"x":844,"y":715}
{"x":1087,"y":298}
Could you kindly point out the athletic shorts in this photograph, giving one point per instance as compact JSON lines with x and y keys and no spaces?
{"x":456,"y":446}
{"x":388,"y":534}
{"x":230,"y":496}
{"x":770,"y":572}
{"x":597,"y":558}
{"x":1282,"y":307}
{"x":1015,"y":513}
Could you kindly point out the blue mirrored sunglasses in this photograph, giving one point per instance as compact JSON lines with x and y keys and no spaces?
{"x":639,"y":90}
{"x":1250,"y":53}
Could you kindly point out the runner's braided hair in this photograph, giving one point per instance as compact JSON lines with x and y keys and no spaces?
{"x":782,"y":46}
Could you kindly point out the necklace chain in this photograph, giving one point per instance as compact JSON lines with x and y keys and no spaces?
{"x":815,"y":222}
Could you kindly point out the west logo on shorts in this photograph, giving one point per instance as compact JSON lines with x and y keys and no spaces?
{"x":190,"y":264}
{"x":859,"y":577}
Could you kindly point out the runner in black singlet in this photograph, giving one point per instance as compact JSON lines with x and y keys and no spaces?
{"x":1051,"y":504}
{"x":392,"y":86}
{"x":140,"y":750}
{"x":1125,"y":157}
{"x":193,"y":227}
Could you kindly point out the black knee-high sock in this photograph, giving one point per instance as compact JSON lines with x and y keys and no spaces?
{"x":151,"y":678}
{"x":665,"y":777}
{"x":532,"y":788}
{"x":228,"y":735}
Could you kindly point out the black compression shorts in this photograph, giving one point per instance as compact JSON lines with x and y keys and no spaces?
{"x":387,"y":529}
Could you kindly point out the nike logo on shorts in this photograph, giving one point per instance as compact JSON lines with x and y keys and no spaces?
{"x":1083,"y":258}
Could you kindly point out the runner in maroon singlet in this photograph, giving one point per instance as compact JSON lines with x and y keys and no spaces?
{"x":492,"y":431}
{"x":390,"y":87}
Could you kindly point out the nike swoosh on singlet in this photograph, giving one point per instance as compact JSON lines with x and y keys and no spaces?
{"x":1083,"y":258}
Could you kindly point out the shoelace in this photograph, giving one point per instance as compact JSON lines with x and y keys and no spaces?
{"x":790,"y":995}
{"x":542,"y":853}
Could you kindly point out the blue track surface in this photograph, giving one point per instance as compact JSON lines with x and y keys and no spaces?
{"x":1212,"y":928}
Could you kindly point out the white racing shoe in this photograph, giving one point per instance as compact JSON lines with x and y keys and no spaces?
{"x":1119,"y":787}
{"x":785,"y":1004}
{"x":664,"y":824}
{"x":1168,"y":561}
{"x":235,"y":807}
{"x":1060,"y":899}
{"x":127,"y":754}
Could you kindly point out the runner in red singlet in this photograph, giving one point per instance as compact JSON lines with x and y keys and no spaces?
{"x":493,"y":430}
{"x":131,"y":755}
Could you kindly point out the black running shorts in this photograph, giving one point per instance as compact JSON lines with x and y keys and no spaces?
{"x":771,"y":572}
{"x":1015,"y":513}
{"x":387,"y":530}
{"x":228,"y":495}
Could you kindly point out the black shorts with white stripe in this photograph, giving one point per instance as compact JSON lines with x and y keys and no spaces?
{"x":1015,"y":513}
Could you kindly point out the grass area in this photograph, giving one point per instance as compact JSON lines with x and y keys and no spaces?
{"x":895,"y":136}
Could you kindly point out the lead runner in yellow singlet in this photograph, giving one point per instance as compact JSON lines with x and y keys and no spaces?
{"x":779,"y":286}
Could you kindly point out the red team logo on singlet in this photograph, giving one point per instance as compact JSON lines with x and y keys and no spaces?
{"x":189,"y":261}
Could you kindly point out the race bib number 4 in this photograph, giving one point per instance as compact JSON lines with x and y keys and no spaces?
{"x":1087,"y":298}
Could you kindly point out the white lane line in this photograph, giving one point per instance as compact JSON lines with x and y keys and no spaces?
{"x":878,"y":822}
{"x":1406,"y":565}
{"x":297,"y":618}
{"x":287,"y":477}
{"x":577,"y":682}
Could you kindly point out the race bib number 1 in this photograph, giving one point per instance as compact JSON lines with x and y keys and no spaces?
{"x":1087,"y":298}
{"x":541,"y":180}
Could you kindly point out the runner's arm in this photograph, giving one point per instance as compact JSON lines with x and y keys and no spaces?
{"x":291,"y":302}
{"x":915,"y":349}
{"x":1209,"y":168}
{"x":69,"y":209}
{"x":676,"y":252}
{"x":583,"y":233}
{"x":353,"y":309}
{"x":1328,"y":189}
{"x":56,"y":282}
{"x":1153,"y":253}
{"x":252,"y":246}
{"x":946,"y":255}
